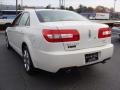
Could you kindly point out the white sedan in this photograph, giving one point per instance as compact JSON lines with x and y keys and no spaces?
{"x":52,"y":40}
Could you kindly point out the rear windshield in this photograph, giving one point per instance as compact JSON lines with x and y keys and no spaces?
{"x":54,"y":16}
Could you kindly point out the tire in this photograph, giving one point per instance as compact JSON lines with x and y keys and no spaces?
{"x":119,"y":35}
{"x":7,"y":42}
{"x":28,"y":65}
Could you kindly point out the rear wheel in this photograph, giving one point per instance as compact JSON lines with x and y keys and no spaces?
{"x":28,"y":65}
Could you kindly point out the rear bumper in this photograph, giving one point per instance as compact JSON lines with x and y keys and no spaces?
{"x":54,"y":61}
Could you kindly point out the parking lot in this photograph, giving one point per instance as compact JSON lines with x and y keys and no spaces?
{"x":98,"y":77}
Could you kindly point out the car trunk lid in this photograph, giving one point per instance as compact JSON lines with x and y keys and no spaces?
{"x":88,"y":33}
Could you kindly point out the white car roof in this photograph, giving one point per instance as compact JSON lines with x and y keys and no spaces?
{"x":44,"y":10}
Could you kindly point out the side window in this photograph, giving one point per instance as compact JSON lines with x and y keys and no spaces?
{"x":24,"y":19}
{"x":16,"y":21}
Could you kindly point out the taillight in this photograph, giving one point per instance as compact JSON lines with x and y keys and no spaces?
{"x":61,"y":35}
{"x":104,"y":32}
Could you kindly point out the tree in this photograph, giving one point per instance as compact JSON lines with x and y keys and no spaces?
{"x":100,"y":9}
{"x":62,"y":7}
{"x":71,"y":8}
{"x":48,"y":7}
{"x":79,"y":10}
{"x":90,"y":9}
{"x":19,"y":7}
{"x":67,"y":8}
{"x":84,"y":9}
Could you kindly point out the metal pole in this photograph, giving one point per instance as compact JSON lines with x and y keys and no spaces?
{"x":64,"y":3}
{"x":114,"y":4}
{"x":60,"y":3}
{"x":0,"y":5}
{"x":16,"y":6}
{"x":21,"y":4}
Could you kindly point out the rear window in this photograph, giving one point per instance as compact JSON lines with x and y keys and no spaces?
{"x":54,"y":16}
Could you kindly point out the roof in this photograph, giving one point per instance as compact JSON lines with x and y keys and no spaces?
{"x":44,"y":10}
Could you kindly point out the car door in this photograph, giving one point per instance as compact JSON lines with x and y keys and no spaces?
{"x":12,"y":30}
{"x":23,"y":25}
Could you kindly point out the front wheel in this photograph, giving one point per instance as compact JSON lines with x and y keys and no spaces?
{"x":7,"y":42}
{"x":119,"y":35}
{"x":28,"y":65}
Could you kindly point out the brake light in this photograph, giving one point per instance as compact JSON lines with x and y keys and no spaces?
{"x":104,"y":32}
{"x":61,"y":35}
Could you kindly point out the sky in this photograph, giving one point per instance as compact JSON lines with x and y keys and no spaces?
{"x":74,"y":3}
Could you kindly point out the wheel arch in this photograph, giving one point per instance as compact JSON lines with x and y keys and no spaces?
{"x":24,"y":44}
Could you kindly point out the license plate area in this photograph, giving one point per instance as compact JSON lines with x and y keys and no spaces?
{"x":91,"y":57}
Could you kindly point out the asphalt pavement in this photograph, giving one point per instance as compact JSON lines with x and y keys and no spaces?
{"x":97,"y":77}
